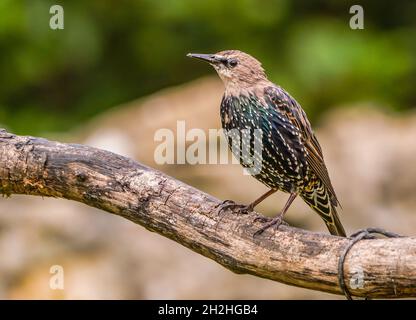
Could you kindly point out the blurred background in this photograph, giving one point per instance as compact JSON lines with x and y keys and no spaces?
{"x":118,"y":72}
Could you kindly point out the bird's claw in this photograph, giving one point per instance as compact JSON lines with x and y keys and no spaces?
{"x":262,"y":219}
{"x":275,"y":223}
{"x":236,"y":208}
{"x":231,"y":205}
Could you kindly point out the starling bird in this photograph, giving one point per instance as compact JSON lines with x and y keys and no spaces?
{"x":291,"y":157}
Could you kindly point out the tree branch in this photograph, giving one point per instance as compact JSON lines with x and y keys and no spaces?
{"x":188,"y":216}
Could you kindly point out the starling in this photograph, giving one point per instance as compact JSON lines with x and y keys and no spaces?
{"x":290,"y":156}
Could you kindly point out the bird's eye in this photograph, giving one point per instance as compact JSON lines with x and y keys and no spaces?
{"x":232,"y":62}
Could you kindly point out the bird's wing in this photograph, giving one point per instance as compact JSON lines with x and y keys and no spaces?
{"x":291,"y":110}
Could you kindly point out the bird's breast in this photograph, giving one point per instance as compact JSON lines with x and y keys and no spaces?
{"x":259,"y":134}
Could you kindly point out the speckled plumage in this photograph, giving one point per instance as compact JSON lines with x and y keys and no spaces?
{"x":291,"y":157}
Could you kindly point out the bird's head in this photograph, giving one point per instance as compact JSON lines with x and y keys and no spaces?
{"x":236,"y":69}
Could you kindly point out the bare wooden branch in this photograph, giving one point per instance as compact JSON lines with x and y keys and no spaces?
{"x":188,"y":216}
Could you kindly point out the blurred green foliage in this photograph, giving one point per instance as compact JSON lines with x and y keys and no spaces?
{"x":111,"y":52}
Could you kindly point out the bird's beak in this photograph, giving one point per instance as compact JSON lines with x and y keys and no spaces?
{"x":210,"y":58}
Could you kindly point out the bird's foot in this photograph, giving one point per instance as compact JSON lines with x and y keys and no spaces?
{"x":275,"y":223}
{"x":231,"y":205}
{"x":236,"y":208}
{"x":262,"y":219}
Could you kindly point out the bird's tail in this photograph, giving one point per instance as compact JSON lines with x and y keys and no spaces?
{"x":335,"y":226}
{"x":320,"y":201}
